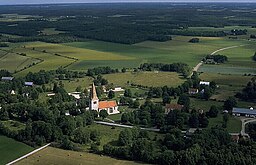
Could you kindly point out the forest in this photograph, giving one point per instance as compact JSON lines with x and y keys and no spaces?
{"x":126,"y":24}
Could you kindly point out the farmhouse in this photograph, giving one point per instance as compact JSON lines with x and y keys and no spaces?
{"x":110,"y":106}
{"x":76,"y":95}
{"x":204,"y":83}
{"x":29,"y":83}
{"x":171,"y":107}
{"x":193,"y":91}
{"x":7,"y":78}
{"x":244,"y":112}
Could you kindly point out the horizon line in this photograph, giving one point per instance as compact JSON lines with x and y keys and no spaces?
{"x":177,"y":2}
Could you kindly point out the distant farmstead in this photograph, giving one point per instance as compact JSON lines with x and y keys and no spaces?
{"x":244,"y":112}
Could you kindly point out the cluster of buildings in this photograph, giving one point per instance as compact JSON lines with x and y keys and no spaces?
{"x":11,"y":78}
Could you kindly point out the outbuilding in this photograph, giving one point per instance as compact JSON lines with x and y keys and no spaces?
{"x":244,"y":112}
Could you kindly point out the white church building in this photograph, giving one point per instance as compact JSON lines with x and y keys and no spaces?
{"x":110,"y":106}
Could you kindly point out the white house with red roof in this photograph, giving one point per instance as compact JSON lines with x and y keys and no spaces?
{"x":110,"y":106}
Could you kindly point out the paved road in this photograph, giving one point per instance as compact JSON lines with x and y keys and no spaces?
{"x":196,"y":68}
{"x":31,"y":153}
{"x":244,"y":122}
{"x":125,"y":126}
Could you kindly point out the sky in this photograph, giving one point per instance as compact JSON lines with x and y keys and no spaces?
{"x":10,"y":2}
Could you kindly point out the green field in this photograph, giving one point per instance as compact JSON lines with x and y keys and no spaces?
{"x":71,"y":85}
{"x":90,"y":54}
{"x":14,"y":62}
{"x":52,"y":155}
{"x":154,"y":79}
{"x":11,"y":149}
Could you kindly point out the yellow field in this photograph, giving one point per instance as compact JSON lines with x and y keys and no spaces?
{"x":79,"y":53}
{"x":52,"y":155}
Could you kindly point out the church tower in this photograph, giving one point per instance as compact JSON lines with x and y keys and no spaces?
{"x":94,"y":101}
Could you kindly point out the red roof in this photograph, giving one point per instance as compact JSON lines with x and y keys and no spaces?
{"x":107,"y":104}
{"x":174,"y":106}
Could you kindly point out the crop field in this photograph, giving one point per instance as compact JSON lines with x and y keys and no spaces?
{"x":14,"y":62}
{"x":52,"y":155}
{"x":11,"y":149}
{"x":90,"y":54}
{"x":227,"y":79}
{"x":155,"y":79}
{"x":227,"y":70}
{"x":176,"y":50}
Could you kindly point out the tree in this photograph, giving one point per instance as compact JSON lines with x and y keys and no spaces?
{"x":225,"y":120}
{"x":78,"y":89}
{"x":128,"y":93}
{"x":125,"y":137}
{"x":111,"y":94}
{"x":184,"y":100}
{"x":193,"y":121}
{"x":123,"y":70}
{"x":213,"y":112}
{"x":166,"y":99}
{"x":103,"y":114}
{"x":230,"y":103}
{"x":81,"y":135}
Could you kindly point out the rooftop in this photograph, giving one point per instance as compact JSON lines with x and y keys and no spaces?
{"x":174,"y":106}
{"x":107,"y":104}
{"x":244,"y":111}
{"x":7,"y":78}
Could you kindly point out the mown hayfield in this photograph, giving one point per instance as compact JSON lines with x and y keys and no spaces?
{"x":52,"y":155}
{"x":154,"y":79}
{"x":79,"y":53}
{"x":222,"y":69}
{"x":226,"y":79}
{"x":49,"y":60}
{"x":11,"y":149}
{"x":14,"y":62}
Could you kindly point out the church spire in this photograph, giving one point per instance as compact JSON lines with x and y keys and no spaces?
{"x":93,"y":93}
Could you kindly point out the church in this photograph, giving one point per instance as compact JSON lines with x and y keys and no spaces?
{"x":110,"y":106}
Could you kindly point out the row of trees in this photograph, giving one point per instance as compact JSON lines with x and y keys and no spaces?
{"x":249,"y":92}
{"x":216,"y":58}
{"x":175,"y":67}
{"x":210,"y":146}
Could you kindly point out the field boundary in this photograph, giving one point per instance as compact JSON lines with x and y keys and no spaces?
{"x":31,"y":153}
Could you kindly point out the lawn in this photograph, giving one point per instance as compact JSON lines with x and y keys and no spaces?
{"x":234,"y":125}
{"x":71,"y":85}
{"x":155,"y":79}
{"x":11,"y":149}
{"x":52,"y":155}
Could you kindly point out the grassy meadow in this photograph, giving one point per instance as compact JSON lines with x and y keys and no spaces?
{"x":11,"y":149}
{"x":154,"y":79}
{"x":52,"y":155}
